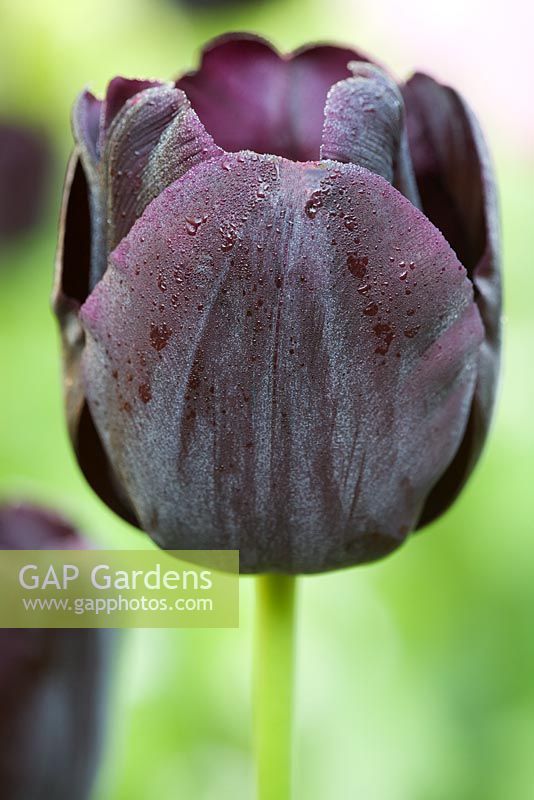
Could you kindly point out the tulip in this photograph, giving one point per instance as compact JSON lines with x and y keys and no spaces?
{"x":51,"y":685}
{"x":278,"y":289}
{"x":25,"y":166}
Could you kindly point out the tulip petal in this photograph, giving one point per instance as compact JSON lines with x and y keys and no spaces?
{"x":281,"y":358}
{"x":153,"y":141}
{"x":250,"y":97}
{"x":458,"y":192}
{"x":363,"y":120}
{"x":134,"y":133}
{"x":312,"y":71}
{"x":119,"y":91}
{"x":137,"y":161}
{"x":71,"y":288}
{"x":183,"y":145}
{"x":364,"y":124}
{"x":92,"y":118}
{"x":86,"y":126}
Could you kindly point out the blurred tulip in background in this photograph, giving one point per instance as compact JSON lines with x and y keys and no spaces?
{"x":52,"y":684}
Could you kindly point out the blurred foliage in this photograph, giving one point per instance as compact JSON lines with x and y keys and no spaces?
{"x":415,"y":674}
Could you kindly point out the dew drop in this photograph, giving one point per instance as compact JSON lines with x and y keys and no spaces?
{"x":411,"y":332}
{"x":192,"y":224}
{"x":229,"y":235}
{"x":145,"y":392}
{"x":371,"y":310}
{"x":313,"y":204}
{"x":385,"y":333}
{"x":159,"y":335}
{"x":357,"y":265}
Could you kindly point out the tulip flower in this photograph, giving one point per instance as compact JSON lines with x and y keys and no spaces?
{"x":278,"y":286}
{"x":51,"y":685}
{"x":25,"y":162}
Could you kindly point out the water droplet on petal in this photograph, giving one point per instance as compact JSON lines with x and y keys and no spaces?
{"x":314,"y":204}
{"x":145,"y":392}
{"x":193,"y":223}
{"x":357,"y":265}
{"x":159,"y":335}
{"x":371,"y":310}
{"x":411,"y":332}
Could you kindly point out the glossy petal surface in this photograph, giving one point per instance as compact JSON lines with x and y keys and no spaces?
{"x":250,"y":97}
{"x":119,"y":91}
{"x":154,"y":139}
{"x":458,"y":192}
{"x":281,"y":357}
{"x":364,"y":124}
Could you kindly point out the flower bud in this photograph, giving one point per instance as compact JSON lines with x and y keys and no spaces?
{"x":278,"y":286}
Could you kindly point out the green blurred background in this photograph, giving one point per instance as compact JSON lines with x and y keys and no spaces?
{"x":415,"y":675}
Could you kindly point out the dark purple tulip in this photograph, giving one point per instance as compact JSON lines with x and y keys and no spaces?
{"x":51,"y":685}
{"x":269,"y":344}
{"x":25,"y":161}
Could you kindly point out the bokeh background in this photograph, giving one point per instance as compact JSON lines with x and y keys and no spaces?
{"x":415,"y":675}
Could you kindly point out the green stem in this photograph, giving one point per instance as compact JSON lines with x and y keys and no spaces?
{"x":273,"y":685}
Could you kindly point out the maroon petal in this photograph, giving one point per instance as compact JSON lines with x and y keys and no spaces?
{"x":118,"y":92}
{"x":281,"y":357}
{"x":136,"y":160}
{"x":52,"y":684}
{"x":130,"y":141}
{"x":183,"y":145}
{"x":363,"y":120}
{"x":311,"y":73}
{"x":71,"y":287}
{"x":249,"y":97}
{"x":86,"y":125}
{"x":153,"y":141}
{"x":364,"y":124}
{"x":92,"y":118}
{"x":458,"y":192}
{"x":125,"y":146}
